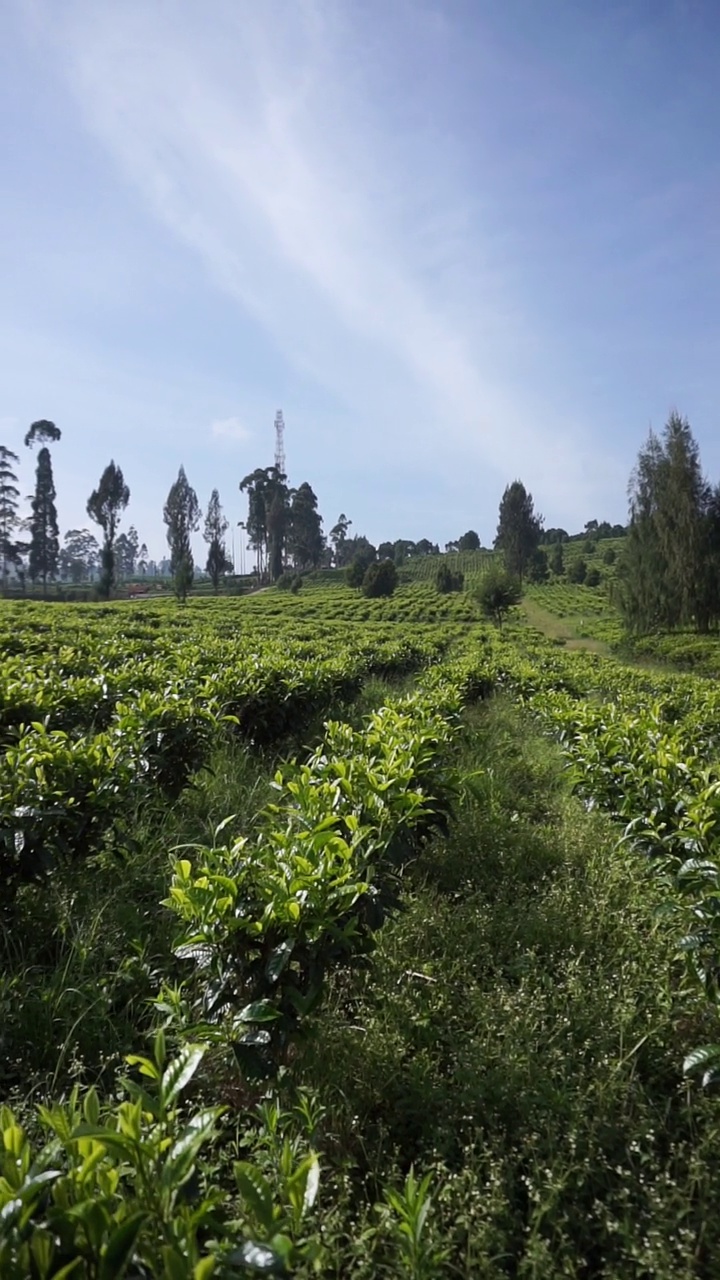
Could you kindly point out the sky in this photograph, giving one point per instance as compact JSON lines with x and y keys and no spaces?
{"x":457,"y":242}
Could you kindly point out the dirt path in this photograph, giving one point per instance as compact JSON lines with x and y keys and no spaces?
{"x":561,"y":629}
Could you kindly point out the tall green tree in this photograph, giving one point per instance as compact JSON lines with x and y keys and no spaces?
{"x":182,"y":517}
{"x":339,"y":540}
{"x":80,"y":555}
{"x":44,"y":532}
{"x":668,"y":573}
{"x":305,"y":536}
{"x":9,"y":497}
{"x":469,"y":541}
{"x":519,"y":529}
{"x":105,"y":506}
{"x":216,"y":526}
{"x":266,"y":524}
{"x":44,"y":550}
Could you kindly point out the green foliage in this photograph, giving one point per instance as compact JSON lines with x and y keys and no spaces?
{"x":519,"y":529}
{"x":267,"y":519}
{"x":315,"y":884}
{"x":469,"y":541}
{"x":216,"y":526}
{"x":670,"y":568}
{"x":44,"y":534}
{"x":538,"y":570}
{"x":181,"y":514}
{"x":305,"y":537}
{"x":593,"y":578}
{"x":380,"y":579}
{"x":105,"y":506}
{"x":577,"y":570}
{"x":497,"y":593}
{"x":446,"y":580}
{"x":9,"y":495}
{"x":359,"y":566}
{"x":557,"y":559}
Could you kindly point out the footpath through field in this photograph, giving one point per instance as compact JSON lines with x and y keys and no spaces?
{"x":561,"y":629}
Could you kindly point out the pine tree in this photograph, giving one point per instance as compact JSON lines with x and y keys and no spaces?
{"x":666,"y":577}
{"x":44,"y":533}
{"x":182,"y":517}
{"x":216,"y":526}
{"x":519,"y":529}
{"x":9,"y":495}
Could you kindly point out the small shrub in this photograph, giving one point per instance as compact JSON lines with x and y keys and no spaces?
{"x":593,"y":578}
{"x":296,"y":583}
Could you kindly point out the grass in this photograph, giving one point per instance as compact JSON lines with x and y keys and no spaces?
{"x":517,"y":1034}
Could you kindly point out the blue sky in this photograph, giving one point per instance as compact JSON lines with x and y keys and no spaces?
{"x":456,"y":242}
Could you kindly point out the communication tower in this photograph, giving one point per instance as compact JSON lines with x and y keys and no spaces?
{"x":280,"y":442}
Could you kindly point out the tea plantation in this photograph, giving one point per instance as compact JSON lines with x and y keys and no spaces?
{"x":353,"y":937}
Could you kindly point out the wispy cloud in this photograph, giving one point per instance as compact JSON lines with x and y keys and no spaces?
{"x":256,"y":139}
{"x":230,"y":429}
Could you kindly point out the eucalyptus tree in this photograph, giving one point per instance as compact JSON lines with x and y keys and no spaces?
{"x":9,"y":497}
{"x":216,"y":526}
{"x":181,"y":514}
{"x":80,"y":555}
{"x":105,"y":506}
{"x":305,"y":536}
{"x":44,"y":551}
{"x":267,"y":520}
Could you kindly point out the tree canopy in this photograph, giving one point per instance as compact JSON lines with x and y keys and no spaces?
{"x":105,"y":506}
{"x":181,"y":514}
{"x":519,"y":529}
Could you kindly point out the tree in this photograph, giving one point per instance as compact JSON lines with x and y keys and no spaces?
{"x":380,"y":579}
{"x":497,"y":593}
{"x":9,"y":495}
{"x":519,"y":529}
{"x":44,"y":550}
{"x":446,"y":580}
{"x":668,"y":575}
{"x":339,"y":538}
{"x":577,"y":571}
{"x":305,"y":536}
{"x":557,"y":560}
{"x":267,"y":517}
{"x":126,"y":551}
{"x":105,"y":506}
{"x":216,"y":526}
{"x":469,"y":541}
{"x":79,"y":556}
{"x":181,"y":514}
{"x":143,"y":560}
{"x":360,"y":563}
{"x":538,"y":570}
{"x":44,"y":532}
{"x":43,"y":431}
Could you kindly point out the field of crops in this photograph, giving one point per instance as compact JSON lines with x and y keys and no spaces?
{"x":352,"y":937}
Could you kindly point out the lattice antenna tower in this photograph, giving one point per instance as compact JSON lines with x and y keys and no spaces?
{"x":280,"y":442}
